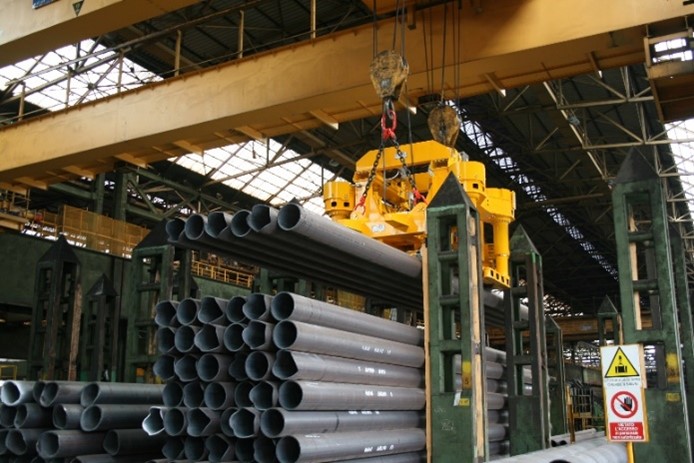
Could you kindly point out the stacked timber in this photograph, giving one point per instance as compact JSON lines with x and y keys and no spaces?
{"x":287,"y":379}
{"x":77,"y":421}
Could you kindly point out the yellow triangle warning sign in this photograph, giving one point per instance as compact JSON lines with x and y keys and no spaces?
{"x":621,"y":366}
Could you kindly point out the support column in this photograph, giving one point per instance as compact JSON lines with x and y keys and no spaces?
{"x":455,"y":321}
{"x":608,"y":311}
{"x":526,"y":348}
{"x":647,"y":287}
{"x":555,"y":369}
{"x":120,"y":197}
{"x":99,"y":339}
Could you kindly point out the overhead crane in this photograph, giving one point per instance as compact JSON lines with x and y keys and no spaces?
{"x":230,"y":103}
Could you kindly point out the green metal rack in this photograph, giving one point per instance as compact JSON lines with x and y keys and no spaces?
{"x":647,"y":287}
{"x":456,"y":328}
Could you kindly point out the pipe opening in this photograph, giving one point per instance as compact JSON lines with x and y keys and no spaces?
{"x":219,"y":395}
{"x":193,"y":394}
{"x":49,"y":442}
{"x":185,"y":338}
{"x":10,"y":393}
{"x":37,"y":390}
{"x":163,"y":367}
{"x":7,"y":415}
{"x":289,"y":216}
{"x":245,"y":422}
{"x":219,"y":448}
{"x":59,"y":417}
{"x":288,"y":449}
{"x":257,"y":334}
{"x":91,"y":418}
{"x":194,"y":448}
{"x":285,"y":334}
{"x":49,"y":393}
{"x":209,"y":310}
{"x":290,"y":395}
{"x":165,"y":313}
{"x":285,"y":367}
{"x":207,"y":338}
{"x":112,"y":442}
{"x":242,"y":394}
{"x":272,"y":422}
{"x":233,"y":337}
{"x":154,"y":421}
{"x":172,"y":395}
{"x":209,"y":367}
{"x":264,"y":450}
{"x":185,"y":368}
{"x":3,"y":439}
{"x":197,"y":422}
{"x":195,"y":227}
{"x":261,"y":217}
{"x":90,"y":394}
{"x":234,"y":309}
{"x":282,"y":306}
{"x":173,"y":448}
{"x":224,"y":421}
{"x":239,"y":224}
{"x":237,"y":368}
{"x":255,"y":306}
{"x":186,"y":311}
{"x":259,"y":365}
{"x":216,"y":223}
{"x":264,"y":395}
{"x":166,"y":340}
{"x":244,"y":449}
{"x":175,"y":422}
{"x":21,"y":416}
{"x":16,"y":443}
{"x":174,"y":228}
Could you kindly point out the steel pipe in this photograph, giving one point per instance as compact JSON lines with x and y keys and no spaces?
{"x":309,"y":395}
{"x":175,"y":421}
{"x":104,"y":417}
{"x":214,"y":367}
{"x":322,"y":340}
{"x":565,"y":439}
{"x":242,"y":394}
{"x":187,"y":311}
{"x":210,"y":338}
{"x":410,"y":457}
{"x":165,"y":314}
{"x":184,"y":368}
{"x":263,"y":219}
{"x":245,"y":422}
{"x":277,"y":422}
{"x":233,"y":337}
{"x":237,"y":367}
{"x":23,"y":441}
{"x":265,"y":395}
{"x":126,"y":393}
{"x":259,"y":365}
{"x":219,"y":448}
{"x":295,"y":219}
{"x":212,"y":310}
{"x":67,"y":416}
{"x":164,"y":367}
{"x":244,"y":449}
{"x":194,"y":448}
{"x":219,"y":395}
{"x":63,"y":392}
{"x":184,"y":339}
{"x":67,"y":443}
{"x":496,"y":401}
{"x":257,"y":307}
{"x":193,"y":394}
{"x":289,"y":306}
{"x":172,"y":395}
{"x":174,"y":228}
{"x":307,"y":366}
{"x":153,"y":424}
{"x":3,"y":440}
{"x":588,"y":451}
{"x":234,"y":310}
{"x":166,"y":340}
{"x":35,"y":391}
{"x":14,"y":393}
{"x":31,"y":415}
{"x":224,"y":421}
{"x":203,"y":422}
{"x":7,"y":415}
{"x":264,"y":449}
{"x":106,"y":458}
{"x":173,"y":448}
{"x":343,"y":446}
{"x":217,"y":225}
{"x":132,"y":442}
{"x":258,"y":335}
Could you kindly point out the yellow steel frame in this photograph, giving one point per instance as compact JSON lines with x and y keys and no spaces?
{"x":390,"y":215}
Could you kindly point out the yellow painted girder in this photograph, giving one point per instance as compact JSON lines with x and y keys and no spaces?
{"x":26,"y":32}
{"x":281,"y":91}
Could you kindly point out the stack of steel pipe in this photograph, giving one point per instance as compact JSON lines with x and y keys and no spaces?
{"x":308,"y":245}
{"x":66,"y":420}
{"x":597,"y":450}
{"x":286,"y":379}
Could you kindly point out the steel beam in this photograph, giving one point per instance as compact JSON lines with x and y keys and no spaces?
{"x":531,"y":43}
{"x":28,"y":32}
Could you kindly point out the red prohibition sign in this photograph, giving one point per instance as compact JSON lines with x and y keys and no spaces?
{"x":624,"y":404}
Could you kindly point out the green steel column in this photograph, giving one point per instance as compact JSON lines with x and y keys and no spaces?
{"x":456,"y":328}
{"x":120,"y":197}
{"x":99,"y":331}
{"x":608,"y":311}
{"x":99,"y":193}
{"x":686,"y":326}
{"x":555,"y":369}
{"x":526,"y":347}
{"x":640,"y":228}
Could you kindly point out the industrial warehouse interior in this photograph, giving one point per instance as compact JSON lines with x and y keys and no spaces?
{"x":377,"y":231}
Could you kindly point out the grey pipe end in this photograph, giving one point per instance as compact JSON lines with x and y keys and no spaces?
{"x":173,"y":448}
{"x":194,"y":448}
{"x":245,"y":422}
{"x":242,"y":394}
{"x":210,"y":309}
{"x":259,"y":365}
{"x":175,"y":422}
{"x":284,"y":335}
{"x":233,"y":337}
{"x":282,"y":306}
{"x":193,"y":394}
{"x":112,"y":442}
{"x":290,"y":395}
{"x":195,"y":227}
{"x":289,"y":216}
{"x":288,"y":450}
{"x":239,"y":224}
{"x":172,"y":395}
{"x":16,"y":443}
{"x":272,"y":422}
{"x":174,"y":228}
{"x":91,"y":418}
{"x":164,"y":367}
{"x":217,"y":222}
{"x":285,"y":367}
{"x":187,"y":311}
{"x":237,"y":368}
{"x":48,"y":445}
{"x":234,"y":309}
{"x":165,"y":314}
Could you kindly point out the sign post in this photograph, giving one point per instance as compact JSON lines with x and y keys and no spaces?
{"x":623,"y":380}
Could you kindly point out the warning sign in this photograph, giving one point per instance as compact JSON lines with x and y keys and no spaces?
{"x":621,"y":366}
{"x":623,"y":383}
